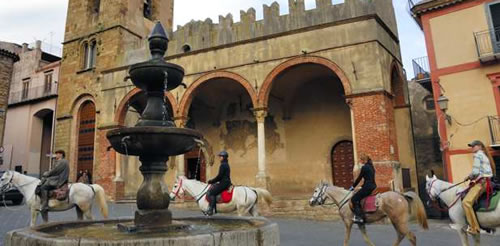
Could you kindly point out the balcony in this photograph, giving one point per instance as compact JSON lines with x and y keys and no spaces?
{"x":495,"y":130}
{"x":488,"y":45}
{"x":33,"y":93}
{"x":422,"y":72}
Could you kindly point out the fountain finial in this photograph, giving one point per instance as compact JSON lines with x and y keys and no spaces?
{"x":158,"y":41}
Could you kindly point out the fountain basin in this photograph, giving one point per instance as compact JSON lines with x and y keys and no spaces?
{"x":153,"y":140}
{"x":224,"y":231}
{"x":150,"y":75}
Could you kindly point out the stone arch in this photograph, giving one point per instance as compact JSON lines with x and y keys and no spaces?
{"x":121,"y":110}
{"x":40,"y":140}
{"x":188,"y":95}
{"x":397,"y":89}
{"x":266,"y":87}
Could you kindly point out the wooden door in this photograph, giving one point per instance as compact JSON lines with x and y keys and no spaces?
{"x":194,"y":168}
{"x":86,"y":135}
{"x":342,"y":164}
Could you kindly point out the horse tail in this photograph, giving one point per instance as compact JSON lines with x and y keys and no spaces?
{"x":264,"y":194}
{"x":101,"y":199}
{"x":417,"y":207}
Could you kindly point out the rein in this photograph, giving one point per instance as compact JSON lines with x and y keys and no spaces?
{"x":434,"y":203}
{"x":345,"y":200}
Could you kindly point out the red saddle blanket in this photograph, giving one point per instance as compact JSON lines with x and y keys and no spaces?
{"x":225,"y":197}
{"x":369,"y":204}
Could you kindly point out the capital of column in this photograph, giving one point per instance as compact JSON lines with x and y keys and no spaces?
{"x":181,"y":121}
{"x":260,"y":114}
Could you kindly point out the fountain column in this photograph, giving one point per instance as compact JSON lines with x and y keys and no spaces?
{"x":262,"y":179}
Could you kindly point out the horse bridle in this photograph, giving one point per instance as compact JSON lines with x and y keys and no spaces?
{"x":8,"y":184}
{"x":437,"y":198}
{"x":203,"y":192}
{"x":321,"y":197}
{"x":178,"y":189}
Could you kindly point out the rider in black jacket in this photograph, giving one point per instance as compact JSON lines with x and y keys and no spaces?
{"x":368,"y":175}
{"x":221,"y":182}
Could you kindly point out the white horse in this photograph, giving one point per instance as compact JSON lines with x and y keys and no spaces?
{"x":244,"y":199}
{"x":449,"y":195}
{"x":80,"y":196}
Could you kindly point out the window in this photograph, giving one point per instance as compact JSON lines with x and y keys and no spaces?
{"x":48,"y":83}
{"x":96,"y":6}
{"x":148,"y":13}
{"x":89,"y":54}
{"x":494,"y":11}
{"x":186,"y":48}
{"x":429,"y":103}
{"x":26,"y":88}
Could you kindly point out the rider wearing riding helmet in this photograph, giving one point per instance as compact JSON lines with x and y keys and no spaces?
{"x":220,"y":183}
{"x":368,"y":175}
{"x":483,"y":169}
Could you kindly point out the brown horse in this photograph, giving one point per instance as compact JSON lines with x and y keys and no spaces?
{"x":395,"y":206}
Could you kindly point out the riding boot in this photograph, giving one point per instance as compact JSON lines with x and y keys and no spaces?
{"x":211,"y":206}
{"x":358,"y":214}
{"x":45,"y":200}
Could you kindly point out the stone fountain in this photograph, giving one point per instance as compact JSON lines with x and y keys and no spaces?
{"x":153,"y":139}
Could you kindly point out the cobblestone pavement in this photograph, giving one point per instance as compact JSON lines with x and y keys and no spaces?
{"x":294,"y":232}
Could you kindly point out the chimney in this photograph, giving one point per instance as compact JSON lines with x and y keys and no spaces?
{"x":38,"y":45}
{"x":25,"y":47}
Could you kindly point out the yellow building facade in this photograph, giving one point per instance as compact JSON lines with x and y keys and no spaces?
{"x":462,"y":44}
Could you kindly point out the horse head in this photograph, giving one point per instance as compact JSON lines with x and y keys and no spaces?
{"x":319,"y":195}
{"x":432,"y":187}
{"x":6,"y":181}
{"x":177,"y":189}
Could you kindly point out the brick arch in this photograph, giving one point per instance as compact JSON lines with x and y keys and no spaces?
{"x":397,"y":88}
{"x":266,"y":88}
{"x":121,"y":110}
{"x":188,"y":96}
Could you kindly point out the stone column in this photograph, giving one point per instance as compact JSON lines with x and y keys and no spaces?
{"x":262,"y":179}
{"x":375,"y":135}
{"x":180,"y":122}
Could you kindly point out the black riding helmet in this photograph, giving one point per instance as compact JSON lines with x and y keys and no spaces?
{"x":223,"y":154}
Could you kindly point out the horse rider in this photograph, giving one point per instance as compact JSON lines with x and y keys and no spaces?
{"x":368,"y":175}
{"x":220,"y":183}
{"x":483,"y":169}
{"x":54,"y":178}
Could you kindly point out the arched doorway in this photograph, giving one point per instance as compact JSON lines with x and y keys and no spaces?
{"x":342,"y":159}
{"x":86,"y":136}
{"x":40,"y":142}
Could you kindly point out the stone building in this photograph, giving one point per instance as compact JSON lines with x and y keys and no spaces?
{"x":293,"y":98}
{"x":7,"y":61}
{"x":31,"y":106}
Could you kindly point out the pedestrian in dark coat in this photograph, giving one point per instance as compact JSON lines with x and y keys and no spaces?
{"x":220,"y":183}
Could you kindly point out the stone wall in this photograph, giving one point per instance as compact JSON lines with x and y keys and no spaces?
{"x":7,"y":60}
{"x":200,"y":35}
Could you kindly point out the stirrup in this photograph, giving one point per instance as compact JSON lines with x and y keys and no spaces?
{"x":358,"y":220}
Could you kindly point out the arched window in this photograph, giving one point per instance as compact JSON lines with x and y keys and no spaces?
{"x":148,"y":9}
{"x":89,"y":54}
{"x":95,"y":6}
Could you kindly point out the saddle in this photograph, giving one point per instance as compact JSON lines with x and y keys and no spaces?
{"x":369,"y":204}
{"x":60,"y":193}
{"x":225,"y":197}
{"x":483,"y":204}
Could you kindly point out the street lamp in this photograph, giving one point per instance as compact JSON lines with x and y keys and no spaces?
{"x":443,"y":105}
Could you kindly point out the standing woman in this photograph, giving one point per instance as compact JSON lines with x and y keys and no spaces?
{"x":220,"y":183}
{"x":483,"y":169}
{"x":368,"y":175}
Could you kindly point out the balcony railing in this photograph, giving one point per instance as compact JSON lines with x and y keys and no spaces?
{"x":421,"y":69}
{"x":495,"y":130}
{"x":32,"y":93}
{"x":488,"y":45}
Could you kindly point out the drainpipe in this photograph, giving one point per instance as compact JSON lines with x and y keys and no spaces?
{"x":52,"y":137}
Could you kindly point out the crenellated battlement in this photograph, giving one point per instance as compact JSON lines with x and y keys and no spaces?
{"x":205,"y":34}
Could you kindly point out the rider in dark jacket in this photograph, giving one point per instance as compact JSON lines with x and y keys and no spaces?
{"x":368,"y":175}
{"x":220,"y":183}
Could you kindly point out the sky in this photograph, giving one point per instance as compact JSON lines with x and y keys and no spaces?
{"x":24,"y":21}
